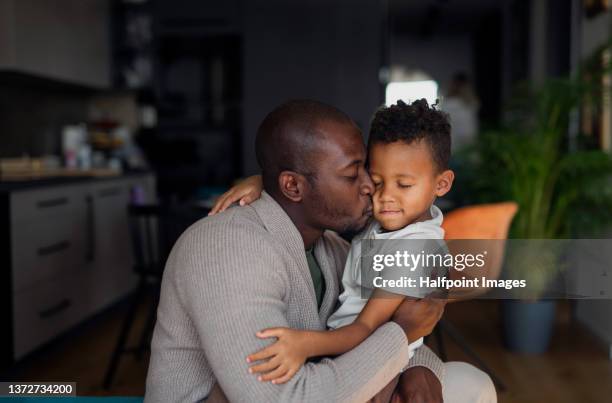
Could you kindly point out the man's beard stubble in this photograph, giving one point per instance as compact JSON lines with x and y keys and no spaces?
{"x":335,"y":216}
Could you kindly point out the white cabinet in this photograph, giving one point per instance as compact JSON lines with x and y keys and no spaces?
{"x":66,"y":40}
{"x":49,"y":233}
{"x":70,"y":254}
{"x":112,"y":258}
{"x":46,"y":309}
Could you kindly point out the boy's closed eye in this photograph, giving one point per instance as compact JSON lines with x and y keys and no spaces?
{"x":400,"y":185}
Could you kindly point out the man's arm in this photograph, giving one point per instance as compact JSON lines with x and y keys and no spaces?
{"x":233,"y":284}
{"x":424,"y":357}
{"x":425,"y":313}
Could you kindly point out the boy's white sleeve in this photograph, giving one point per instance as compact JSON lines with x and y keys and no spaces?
{"x":412,"y":274}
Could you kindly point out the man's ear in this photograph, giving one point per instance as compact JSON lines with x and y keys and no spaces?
{"x":291,"y":185}
{"x":444,"y":182}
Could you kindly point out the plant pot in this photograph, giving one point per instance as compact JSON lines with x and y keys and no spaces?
{"x":528,"y":326}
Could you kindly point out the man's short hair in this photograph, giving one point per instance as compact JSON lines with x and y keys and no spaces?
{"x":415,"y":122}
{"x":287,"y":139}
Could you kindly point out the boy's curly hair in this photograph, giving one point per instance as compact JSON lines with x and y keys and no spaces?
{"x":415,"y":122}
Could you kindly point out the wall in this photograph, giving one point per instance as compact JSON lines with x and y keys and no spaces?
{"x":596,"y":315}
{"x":326,"y":51}
{"x":594,"y":32}
{"x":66,"y":40}
{"x":438,"y":56}
{"x":31,"y":116}
{"x":46,"y":47}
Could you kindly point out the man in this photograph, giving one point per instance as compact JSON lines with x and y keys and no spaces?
{"x":247,"y":269}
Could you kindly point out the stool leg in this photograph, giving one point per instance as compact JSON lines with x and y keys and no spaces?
{"x":149,"y":326}
{"x":463,"y":344}
{"x":123,"y":335}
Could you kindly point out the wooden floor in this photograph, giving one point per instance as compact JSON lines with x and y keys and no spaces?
{"x":83,"y":357}
{"x":576,"y":369}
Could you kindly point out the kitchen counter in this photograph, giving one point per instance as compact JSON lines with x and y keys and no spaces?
{"x":12,"y":186}
{"x":65,"y":253}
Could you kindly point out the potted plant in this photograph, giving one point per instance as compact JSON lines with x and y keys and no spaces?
{"x":560,"y":191}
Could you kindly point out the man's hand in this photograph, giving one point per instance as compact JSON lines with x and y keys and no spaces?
{"x":419,"y":317}
{"x":418,"y":385}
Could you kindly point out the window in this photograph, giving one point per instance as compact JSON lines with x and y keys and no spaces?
{"x":409,"y":91}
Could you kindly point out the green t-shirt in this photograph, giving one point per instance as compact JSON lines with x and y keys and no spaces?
{"x":317,"y":276}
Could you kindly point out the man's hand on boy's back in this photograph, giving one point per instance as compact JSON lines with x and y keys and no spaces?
{"x":418,"y":317}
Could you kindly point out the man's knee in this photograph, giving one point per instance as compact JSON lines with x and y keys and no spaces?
{"x":465,"y":383}
{"x":384,"y":396}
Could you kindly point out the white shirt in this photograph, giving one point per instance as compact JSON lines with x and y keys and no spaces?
{"x":351,"y":301}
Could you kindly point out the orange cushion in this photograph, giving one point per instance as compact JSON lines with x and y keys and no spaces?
{"x":482,"y":221}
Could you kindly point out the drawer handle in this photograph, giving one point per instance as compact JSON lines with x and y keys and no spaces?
{"x":91,"y":236}
{"x":52,"y":202}
{"x":56,"y":247}
{"x":56,"y":309}
{"x":109,"y":192}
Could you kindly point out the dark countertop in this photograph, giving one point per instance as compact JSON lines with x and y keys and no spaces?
{"x":11,"y":186}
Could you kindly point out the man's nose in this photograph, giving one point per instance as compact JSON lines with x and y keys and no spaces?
{"x":367,"y":186}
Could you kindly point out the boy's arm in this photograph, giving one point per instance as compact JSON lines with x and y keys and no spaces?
{"x":245,"y":193}
{"x":293,"y":347}
{"x":378,"y":310}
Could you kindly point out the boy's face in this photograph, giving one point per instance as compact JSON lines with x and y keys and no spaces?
{"x":406,"y":183}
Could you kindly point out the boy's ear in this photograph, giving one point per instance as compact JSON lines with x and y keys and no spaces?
{"x":291,"y":185}
{"x":444,"y":182}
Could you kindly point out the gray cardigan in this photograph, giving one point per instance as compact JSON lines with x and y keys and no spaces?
{"x":244,"y":270}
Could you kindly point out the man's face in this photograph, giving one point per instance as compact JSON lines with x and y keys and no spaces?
{"x":340,"y":194}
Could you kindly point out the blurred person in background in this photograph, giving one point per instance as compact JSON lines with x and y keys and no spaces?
{"x":462,"y":104}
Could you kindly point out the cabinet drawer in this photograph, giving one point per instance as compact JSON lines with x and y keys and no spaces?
{"x":43,"y":311}
{"x":50,"y":245}
{"x":41,"y":203}
{"x":112,"y":239}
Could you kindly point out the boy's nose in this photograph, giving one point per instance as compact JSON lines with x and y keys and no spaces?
{"x":385,"y":196}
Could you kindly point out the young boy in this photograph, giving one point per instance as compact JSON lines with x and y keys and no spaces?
{"x":408,"y":154}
